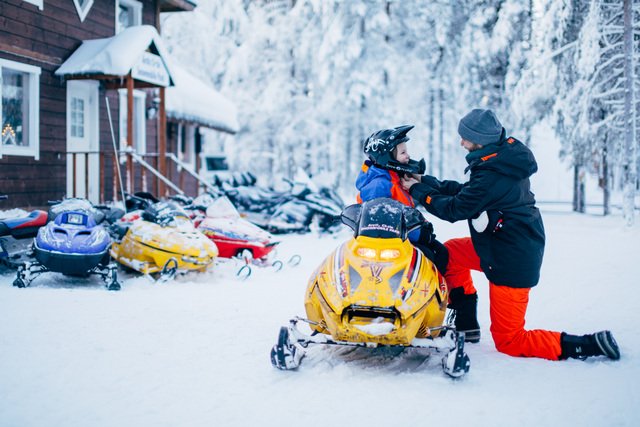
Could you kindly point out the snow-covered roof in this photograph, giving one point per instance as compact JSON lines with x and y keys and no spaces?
{"x":193,"y":100}
{"x":177,"y":5}
{"x":114,"y":56}
{"x":189,"y":99}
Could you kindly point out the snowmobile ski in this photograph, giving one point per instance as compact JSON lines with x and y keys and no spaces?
{"x":290,"y":349}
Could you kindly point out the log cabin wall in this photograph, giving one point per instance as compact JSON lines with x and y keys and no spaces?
{"x":45,"y":39}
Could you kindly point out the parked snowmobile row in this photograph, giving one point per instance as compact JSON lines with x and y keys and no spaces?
{"x":294,"y":211}
{"x":156,"y":238}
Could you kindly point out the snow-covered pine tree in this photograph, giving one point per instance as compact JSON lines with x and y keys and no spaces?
{"x":598,"y":114}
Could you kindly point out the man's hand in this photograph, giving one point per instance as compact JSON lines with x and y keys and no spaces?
{"x":408,"y":181}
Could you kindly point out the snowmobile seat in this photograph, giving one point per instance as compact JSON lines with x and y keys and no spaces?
{"x":24,"y":227}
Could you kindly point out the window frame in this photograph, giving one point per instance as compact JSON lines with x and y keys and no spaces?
{"x":135,"y":6}
{"x":139,"y":120}
{"x":33,"y":148}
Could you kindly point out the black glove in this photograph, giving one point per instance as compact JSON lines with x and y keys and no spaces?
{"x":420,"y":192}
{"x":426,"y":233}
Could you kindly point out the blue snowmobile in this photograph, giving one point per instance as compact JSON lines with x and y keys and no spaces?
{"x":74,"y":244}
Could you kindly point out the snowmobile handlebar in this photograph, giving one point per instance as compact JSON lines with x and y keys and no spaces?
{"x":184,"y":200}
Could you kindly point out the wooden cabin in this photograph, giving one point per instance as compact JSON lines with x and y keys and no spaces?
{"x":76,"y":74}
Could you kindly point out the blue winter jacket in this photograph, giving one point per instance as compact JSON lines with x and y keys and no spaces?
{"x":373,"y":182}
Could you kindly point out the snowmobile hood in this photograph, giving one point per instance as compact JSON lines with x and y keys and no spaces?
{"x":235,"y":228}
{"x":369,"y":271}
{"x":376,"y":290}
{"x":73,"y":232}
{"x":509,"y":157}
{"x":183,"y":239}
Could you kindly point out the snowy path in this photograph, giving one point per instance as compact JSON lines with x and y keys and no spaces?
{"x":195,"y":352}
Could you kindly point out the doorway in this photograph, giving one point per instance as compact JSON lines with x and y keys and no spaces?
{"x":83,"y":156}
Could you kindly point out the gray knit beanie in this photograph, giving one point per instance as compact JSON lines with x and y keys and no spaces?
{"x":480,"y":127}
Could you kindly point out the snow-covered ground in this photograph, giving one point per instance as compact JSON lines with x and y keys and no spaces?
{"x":195,"y":352}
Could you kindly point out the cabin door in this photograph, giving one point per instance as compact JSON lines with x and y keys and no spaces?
{"x":83,"y":156}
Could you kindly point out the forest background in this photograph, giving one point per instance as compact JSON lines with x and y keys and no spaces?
{"x":313,"y":78}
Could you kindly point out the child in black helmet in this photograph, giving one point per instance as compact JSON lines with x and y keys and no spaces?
{"x":389,"y":160}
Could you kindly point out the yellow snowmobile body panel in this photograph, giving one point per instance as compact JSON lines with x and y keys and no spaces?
{"x":147,"y":247}
{"x":375,"y":290}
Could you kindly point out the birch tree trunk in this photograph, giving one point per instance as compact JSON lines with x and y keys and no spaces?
{"x":606,"y":192}
{"x":630,"y":145}
{"x":441,"y":156}
{"x":431,"y":138}
{"x":578,"y":189}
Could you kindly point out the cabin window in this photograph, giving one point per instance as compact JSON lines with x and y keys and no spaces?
{"x":128,"y":14}
{"x":139,"y":121}
{"x":77,"y":117}
{"x":19,"y":116}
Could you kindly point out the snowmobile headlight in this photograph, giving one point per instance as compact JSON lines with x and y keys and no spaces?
{"x":366,"y":252}
{"x":389,"y":254}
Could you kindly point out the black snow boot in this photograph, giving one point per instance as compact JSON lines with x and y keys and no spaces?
{"x":580,"y":347}
{"x":465,"y":314}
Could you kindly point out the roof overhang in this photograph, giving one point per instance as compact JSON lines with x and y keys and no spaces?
{"x":138,"y":51}
{"x":177,"y":5}
{"x":193,"y":101}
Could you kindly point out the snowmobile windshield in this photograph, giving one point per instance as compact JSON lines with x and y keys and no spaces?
{"x":76,"y":205}
{"x":73,"y":218}
{"x":382,"y":219}
{"x":165,"y":213}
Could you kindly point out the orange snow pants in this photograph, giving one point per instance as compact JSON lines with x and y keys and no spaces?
{"x":507,"y":307}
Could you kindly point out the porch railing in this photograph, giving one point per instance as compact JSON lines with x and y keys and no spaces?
{"x":108,"y":160}
{"x":184,"y":166}
{"x":138,"y":158}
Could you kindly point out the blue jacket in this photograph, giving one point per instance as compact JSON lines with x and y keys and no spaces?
{"x":373,"y":182}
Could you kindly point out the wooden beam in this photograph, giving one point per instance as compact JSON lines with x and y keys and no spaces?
{"x":29,"y":54}
{"x":162,"y":141}
{"x":95,"y":77}
{"x":176,"y":6}
{"x":130,"y":177}
{"x":101,"y":179}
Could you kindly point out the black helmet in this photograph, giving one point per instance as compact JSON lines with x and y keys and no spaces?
{"x":380,"y":144}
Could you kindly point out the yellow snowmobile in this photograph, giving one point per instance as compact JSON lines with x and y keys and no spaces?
{"x":375,"y":290}
{"x":161,"y":240}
